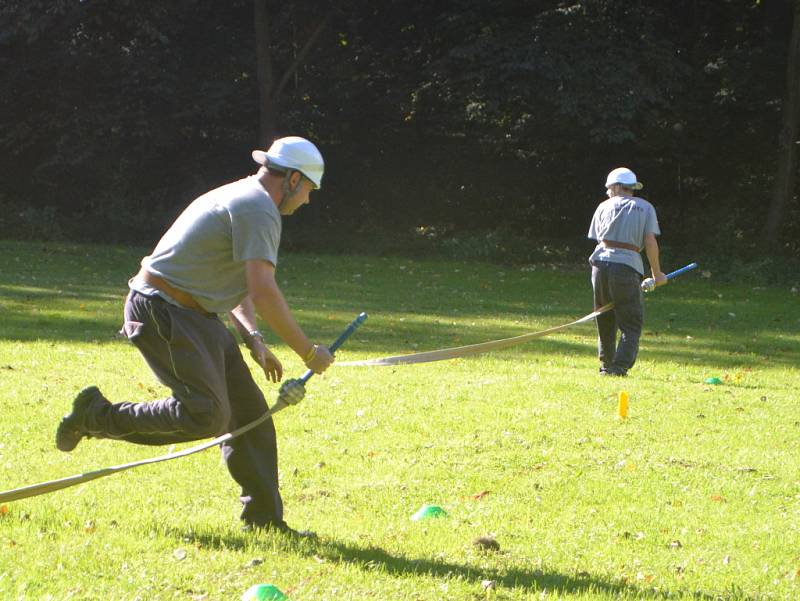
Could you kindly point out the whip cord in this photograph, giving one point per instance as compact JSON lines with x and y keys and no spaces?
{"x":470,"y":349}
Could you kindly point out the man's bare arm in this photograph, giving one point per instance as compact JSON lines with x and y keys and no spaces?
{"x":270,"y":304}
{"x":652,"y":252}
{"x":243,"y":318}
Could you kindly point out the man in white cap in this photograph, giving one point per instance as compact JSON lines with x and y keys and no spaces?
{"x":622,"y":225}
{"x":219,"y":256}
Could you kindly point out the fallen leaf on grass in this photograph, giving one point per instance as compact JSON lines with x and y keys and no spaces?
{"x":3,"y":509}
{"x":717,"y":499}
{"x":480,"y":495}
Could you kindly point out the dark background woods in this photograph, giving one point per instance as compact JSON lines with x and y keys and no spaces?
{"x":480,"y":128}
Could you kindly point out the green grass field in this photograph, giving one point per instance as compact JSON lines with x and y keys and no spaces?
{"x":695,"y":496}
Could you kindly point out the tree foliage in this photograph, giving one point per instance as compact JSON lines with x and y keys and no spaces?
{"x":451,"y":117}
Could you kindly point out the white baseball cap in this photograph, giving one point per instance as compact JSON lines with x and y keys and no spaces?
{"x":624,"y":176}
{"x":295,"y":153}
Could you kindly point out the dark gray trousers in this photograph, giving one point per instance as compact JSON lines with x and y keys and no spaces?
{"x":213,"y":393}
{"x":620,"y":284}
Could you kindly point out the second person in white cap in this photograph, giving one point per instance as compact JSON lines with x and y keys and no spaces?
{"x":622,"y":225}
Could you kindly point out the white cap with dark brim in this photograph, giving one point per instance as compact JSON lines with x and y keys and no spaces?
{"x":294,"y":153}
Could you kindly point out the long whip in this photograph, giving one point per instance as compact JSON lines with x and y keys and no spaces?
{"x":54,"y":485}
{"x":494,"y":345}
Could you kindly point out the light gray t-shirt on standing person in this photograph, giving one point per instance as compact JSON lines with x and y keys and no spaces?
{"x":623,"y":219}
{"x":204,"y":251}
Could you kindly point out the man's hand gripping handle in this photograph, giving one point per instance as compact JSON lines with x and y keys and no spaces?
{"x":292,"y":391}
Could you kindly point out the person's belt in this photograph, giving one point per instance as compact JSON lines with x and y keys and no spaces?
{"x":625,"y":245}
{"x":183,"y":298}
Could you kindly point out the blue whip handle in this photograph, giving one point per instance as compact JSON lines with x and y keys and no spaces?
{"x":340,"y":340}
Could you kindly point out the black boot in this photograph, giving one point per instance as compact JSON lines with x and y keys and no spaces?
{"x":73,"y":426}
{"x":279,"y":527}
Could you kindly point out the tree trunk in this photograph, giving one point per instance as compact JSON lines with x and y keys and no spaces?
{"x":266,"y":109}
{"x":269,"y":93}
{"x":784,"y":188}
{"x":301,"y":56}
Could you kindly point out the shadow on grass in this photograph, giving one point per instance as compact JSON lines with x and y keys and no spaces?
{"x":46,"y":293}
{"x":376,"y":339}
{"x":372,"y":558}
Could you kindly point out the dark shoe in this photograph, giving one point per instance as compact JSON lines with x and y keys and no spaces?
{"x":613,"y":372}
{"x":73,"y":425}
{"x":279,"y":527}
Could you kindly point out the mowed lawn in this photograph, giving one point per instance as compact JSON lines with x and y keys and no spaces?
{"x":695,"y":496}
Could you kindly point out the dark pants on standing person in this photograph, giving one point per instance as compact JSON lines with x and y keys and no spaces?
{"x":619,"y":284}
{"x":213,"y":393}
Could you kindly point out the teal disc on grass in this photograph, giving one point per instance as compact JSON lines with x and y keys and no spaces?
{"x":264,"y":592}
{"x":429,"y":511}
{"x":713,"y":381}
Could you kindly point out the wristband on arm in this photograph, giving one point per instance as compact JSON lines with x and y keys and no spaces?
{"x":310,"y":354}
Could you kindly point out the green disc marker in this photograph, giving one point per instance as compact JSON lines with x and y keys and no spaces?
{"x":713,"y":381}
{"x":429,"y":511}
{"x":264,"y":592}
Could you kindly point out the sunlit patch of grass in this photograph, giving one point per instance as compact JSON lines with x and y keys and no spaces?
{"x":695,"y":496}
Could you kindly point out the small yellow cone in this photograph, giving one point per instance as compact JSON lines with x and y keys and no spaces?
{"x":622,"y":408}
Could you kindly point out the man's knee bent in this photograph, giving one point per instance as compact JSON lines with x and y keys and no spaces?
{"x":208,"y":424}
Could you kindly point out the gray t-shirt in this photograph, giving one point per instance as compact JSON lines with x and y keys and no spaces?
{"x":623,"y":219}
{"x":204,"y":251}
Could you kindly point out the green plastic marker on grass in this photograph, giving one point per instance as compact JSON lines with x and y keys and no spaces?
{"x":713,"y":381}
{"x":429,"y":511}
{"x":264,"y":592}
